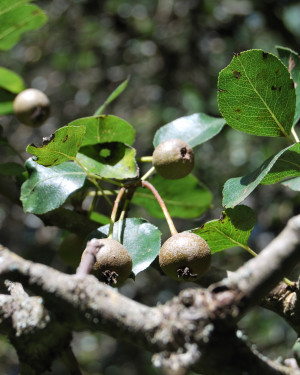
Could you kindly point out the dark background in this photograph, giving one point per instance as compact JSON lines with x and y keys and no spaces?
{"x":173,"y":51}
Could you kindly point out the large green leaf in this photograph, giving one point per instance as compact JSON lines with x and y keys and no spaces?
{"x":118,"y":91}
{"x":141,"y":239}
{"x":105,"y":128}
{"x":256,"y":94}
{"x":283,"y":165}
{"x":17,"y":17}
{"x":186,"y":198}
{"x":61,"y":146}
{"x":194,"y":129}
{"x":232,"y":229}
{"x":291,"y":60}
{"x":48,"y":188}
{"x":11,"y":81}
{"x":110,"y":160}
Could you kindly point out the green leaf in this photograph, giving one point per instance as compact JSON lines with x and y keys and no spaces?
{"x":11,"y":169}
{"x":109,"y":160}
{"x":141,"y":239}
{"x":99,"y":218}
{"x":11,"y":81}
{"x":48,"y":188}
{"x":232,"y":229}
{"x":6,"y":102}
{"x":194,"y":129}
{"x":287,"y":166}
{"x":291,"y":60}
{"x":293,"y":183}
{"x":185,"y":198}
{"x":61,"y":146}
{"x":105,"y":128}
{"x":237,"y":189}
{"x":112,"y":97}
{"x":17,"y":17}
{"x":256,"y":94}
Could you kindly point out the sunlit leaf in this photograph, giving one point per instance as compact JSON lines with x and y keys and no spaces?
{"x":48,"y":188}
{"x":194,"y":129}
{"x":11,"y":81}
{"x":256,"y":94}
{"x":105,"y":128}
{"x":232,"y":229}
{"x":141,"y":239}
{"x":17,"y":17}
{"x":285,"y":164}
{"x":185,"y":198}
{"x":118,"y":91}
{"x":61,"y":146}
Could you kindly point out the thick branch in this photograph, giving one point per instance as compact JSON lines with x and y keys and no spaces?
{"x":251,"y":282}
{"x":186,"y":330}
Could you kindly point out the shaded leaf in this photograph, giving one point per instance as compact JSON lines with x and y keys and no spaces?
{"x":118,"y":91}
{"x":48,"y":188}
{"x":61,"y":146}
{"x":110,"y":160}
{"x":237,"y":189}
{"x":232,"y":229}
{"x":17,"y":17}
{"x":185,"y":198}
{"x":6,"y":102}
{"x":291,"y":60}
{"x":11,"y":169}
{"x":105,"y":128}
{"x":194,"y":129}
{"x":141,"y":239}
{"x":256,"y":94}
{"x":11,"y":81}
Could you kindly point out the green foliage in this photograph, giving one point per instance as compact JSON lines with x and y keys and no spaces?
{"x":61,"y":146}
{"x":256,"y":94}
{"x":105,"y":128}
{"x":194,"y":129}
{"x":141,"y":239}
{"x":11,"y":81}
{"x":232,"y":229}
{"x":16,"y":18}
{"x":291,"y":60}
{"x":48,"y":188}
{"x":186,"y":198}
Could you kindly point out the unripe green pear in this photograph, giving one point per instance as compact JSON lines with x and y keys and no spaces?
{"x":185,"y":256}
{"x":31,"y":107}
{"x":173,"y":159}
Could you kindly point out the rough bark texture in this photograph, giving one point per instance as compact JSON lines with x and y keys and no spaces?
{"x":197,"y":329}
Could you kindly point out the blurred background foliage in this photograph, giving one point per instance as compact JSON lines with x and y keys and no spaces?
{"x":173,"y":51}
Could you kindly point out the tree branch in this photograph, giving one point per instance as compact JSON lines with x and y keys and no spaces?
{"x":195,"y":330}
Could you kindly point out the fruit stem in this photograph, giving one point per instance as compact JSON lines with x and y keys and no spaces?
{"x":121,"y":218}
{"x":145,"y":159}
{"x":146,"y":184}
{"x":147,"y":174}
{"x":295,"y":136}
{"x":114,"y":212}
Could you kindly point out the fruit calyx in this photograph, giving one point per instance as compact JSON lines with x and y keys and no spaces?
{"x":185,"y":256}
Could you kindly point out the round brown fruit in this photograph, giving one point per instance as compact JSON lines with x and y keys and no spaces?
{"x":185,"y":256}
{"x":113,"y":263}
{"x":31,"y":107}
{"x":173,"y":159}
